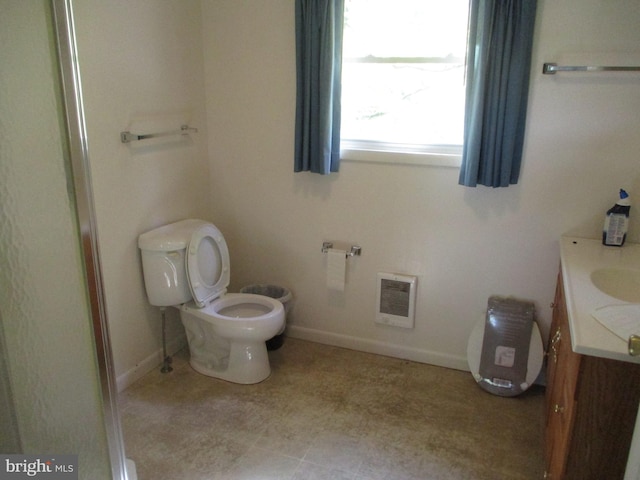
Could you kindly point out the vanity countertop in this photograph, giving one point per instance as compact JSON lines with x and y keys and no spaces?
{"x":579,"y":257}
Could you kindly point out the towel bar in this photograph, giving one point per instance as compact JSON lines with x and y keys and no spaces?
{"x":126,"y":137}
{"x":552,"y":68}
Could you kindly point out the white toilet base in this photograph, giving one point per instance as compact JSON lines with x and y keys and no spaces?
{"x":248,"y":363}
{"x":232,"y":348}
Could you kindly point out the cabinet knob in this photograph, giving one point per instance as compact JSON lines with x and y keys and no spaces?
{"x":558,"y":408}
{"x":546,"y":475}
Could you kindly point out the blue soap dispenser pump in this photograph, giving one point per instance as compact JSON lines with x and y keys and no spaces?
{"x":616,"y":222}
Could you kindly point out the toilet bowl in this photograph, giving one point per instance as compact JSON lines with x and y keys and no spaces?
{"x":227,"y":337}
{"x":186,"y":265}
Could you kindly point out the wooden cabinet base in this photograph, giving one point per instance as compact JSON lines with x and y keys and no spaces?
{"x":592,"y":404}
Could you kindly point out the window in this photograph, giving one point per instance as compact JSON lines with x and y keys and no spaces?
{"x":403,"y":80}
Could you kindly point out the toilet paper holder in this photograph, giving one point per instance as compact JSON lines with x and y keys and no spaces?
{"x":355,"y":250}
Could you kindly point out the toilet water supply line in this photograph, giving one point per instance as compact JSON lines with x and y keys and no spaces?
{"x":166,"y":362}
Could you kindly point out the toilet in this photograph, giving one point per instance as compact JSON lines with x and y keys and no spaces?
{"x":186,"y":265}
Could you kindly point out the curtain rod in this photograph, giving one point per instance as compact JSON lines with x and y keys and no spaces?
{"x":552,"y":68}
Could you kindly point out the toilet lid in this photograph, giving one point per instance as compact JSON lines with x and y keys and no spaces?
{"x":534,"y":361}
{"x":207,"y":264}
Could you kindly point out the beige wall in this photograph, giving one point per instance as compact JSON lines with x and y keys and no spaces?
{"x":463,"y":244}
{"x":227,"y":66}
{"x":141,"y":68}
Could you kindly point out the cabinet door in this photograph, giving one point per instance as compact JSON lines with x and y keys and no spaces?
{"x":553,"y":462}
{"x":552,"y":350}
{"x":562,"y":374}
{"x":607,"y":396}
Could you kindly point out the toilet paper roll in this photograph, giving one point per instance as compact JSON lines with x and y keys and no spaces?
{"x":336,"y":269}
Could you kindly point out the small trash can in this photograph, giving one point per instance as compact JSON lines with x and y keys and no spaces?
{"x":279,"y":293}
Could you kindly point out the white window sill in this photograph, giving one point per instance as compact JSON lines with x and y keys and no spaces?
{"x":374,"y":152}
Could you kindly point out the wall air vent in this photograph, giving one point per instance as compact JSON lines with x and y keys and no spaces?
{"x":395,"y":300}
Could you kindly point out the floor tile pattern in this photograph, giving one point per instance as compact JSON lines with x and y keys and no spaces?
{"x":330,"y":413}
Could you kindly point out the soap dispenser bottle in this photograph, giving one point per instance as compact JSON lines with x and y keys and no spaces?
{"x":616,"y":222}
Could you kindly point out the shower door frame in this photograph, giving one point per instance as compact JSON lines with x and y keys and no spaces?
{"x":87,"y":224}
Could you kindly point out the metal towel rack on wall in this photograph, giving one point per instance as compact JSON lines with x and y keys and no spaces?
{"x":126,"y":137}
{"x":552,"y":68}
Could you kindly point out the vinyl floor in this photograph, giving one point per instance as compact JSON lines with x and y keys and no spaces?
{"x":330,"y":413}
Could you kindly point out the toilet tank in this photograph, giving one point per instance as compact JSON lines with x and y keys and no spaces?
{"x":163,"y":262}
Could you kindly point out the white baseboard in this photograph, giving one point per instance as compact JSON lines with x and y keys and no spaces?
{"x":378,"y":347}
{"x":148,"y":364}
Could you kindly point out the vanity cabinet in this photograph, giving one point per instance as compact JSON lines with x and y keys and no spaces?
{"x":591,"y":406}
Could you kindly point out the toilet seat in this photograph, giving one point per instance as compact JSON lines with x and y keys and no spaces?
{"x":207,"y":264}
{"x":534,"y":361}
{"x":241,"y":314}
{"x":239,"y":308}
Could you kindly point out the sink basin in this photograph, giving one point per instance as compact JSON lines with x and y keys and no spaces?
{"x":620,"y":283}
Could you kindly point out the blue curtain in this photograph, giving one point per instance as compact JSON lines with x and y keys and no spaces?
{"x":319,"y":70}
{"x":498,"y":63}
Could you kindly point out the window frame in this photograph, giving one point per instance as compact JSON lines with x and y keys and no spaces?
{"x":401,"y":154}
